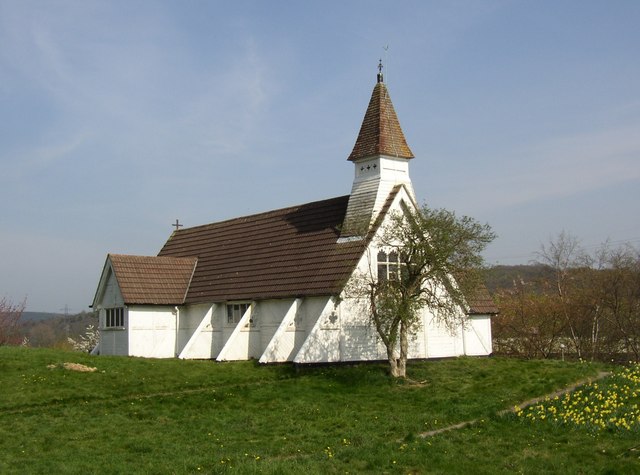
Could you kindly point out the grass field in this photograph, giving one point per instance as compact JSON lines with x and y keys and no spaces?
{"x":167,"y":416}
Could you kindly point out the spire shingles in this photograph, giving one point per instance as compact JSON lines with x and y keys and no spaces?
{"x":380,"y":133}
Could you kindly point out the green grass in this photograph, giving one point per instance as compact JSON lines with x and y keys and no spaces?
{"x":138,"y":415}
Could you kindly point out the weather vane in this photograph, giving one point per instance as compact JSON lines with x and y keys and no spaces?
{"x":380,"y":66}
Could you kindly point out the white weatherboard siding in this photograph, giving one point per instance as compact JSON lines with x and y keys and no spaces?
{"x":242,"y":343}
{"x":358,"y":337}
{"x":152,"y":331}
{"x":282,"y":339}
{"x":313,"y":330}
{"x":477,"y":336}
{"x":280,"y":328}
{"x":442,"y":341}
{"x":200,"y":333}
{"x":322,"y":344}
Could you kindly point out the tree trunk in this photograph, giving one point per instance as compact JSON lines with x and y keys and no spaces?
{"x":398,"y":363}
{"x":394,"y":368}
{"x":404,"y":350}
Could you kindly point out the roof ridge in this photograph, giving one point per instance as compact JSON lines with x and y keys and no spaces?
{"x":268,"y":213}
{"x":117,"y":255}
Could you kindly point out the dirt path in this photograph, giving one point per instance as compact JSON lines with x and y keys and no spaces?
{"x":522,"y":405}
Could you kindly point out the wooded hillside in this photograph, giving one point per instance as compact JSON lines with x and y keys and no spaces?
{"x":52,"y":330}
{"x":578,"y":304}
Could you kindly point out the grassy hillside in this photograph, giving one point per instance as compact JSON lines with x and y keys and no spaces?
{"x":167,"y":416}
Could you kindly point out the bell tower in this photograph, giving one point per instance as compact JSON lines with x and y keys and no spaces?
{"x":381,"y":161}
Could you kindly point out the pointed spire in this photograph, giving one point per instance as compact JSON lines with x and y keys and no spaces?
{"x":380,"y":133}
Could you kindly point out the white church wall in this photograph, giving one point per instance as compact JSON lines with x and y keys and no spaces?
{"x":243,"y":340}
{"x":189,"y":317}
{"x":442,"y":341}
{"x":394,"y":172}
{"x":341,"y":332}
{"x":383,"y":173}
{"x":287,"y":329}
{"x":152,"y":331}
{"x":268,"y":318}
{"x":358,"y":337}
{"x":417,"y":340}
{"x":477,"y":336}
{"x":200,"y":329}
{"x":251,"y":336}
{"x":322,"y":345}
{"x":220,"y":330}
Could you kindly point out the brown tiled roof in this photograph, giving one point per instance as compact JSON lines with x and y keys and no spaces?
{"x":380,"y":133}
{"x":153,"y":280}
{"x":283,"y":253}
{"x":481,"y":302}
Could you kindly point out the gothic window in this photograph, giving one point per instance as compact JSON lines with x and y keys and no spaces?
{"x":388,"y":265}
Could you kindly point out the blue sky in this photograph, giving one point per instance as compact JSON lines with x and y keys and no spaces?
{"x":118,"y":117}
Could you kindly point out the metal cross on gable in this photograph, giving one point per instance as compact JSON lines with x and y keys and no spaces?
{"x":177,"y":225}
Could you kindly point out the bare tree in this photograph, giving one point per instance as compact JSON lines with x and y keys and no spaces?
{"x":529,"y":323}
{"x":592,"y":300}
{"x":562,"y":254}
{"x":10,"y":315}
{"x":619,"y":299}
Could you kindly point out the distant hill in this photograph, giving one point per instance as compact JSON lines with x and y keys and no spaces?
{"x":38,"y":316}
{"x":503,"y":277}
{"x":44,"y":329}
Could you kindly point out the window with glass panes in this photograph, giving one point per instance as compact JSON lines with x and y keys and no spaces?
{"x":235,"y":311}
{"x":388,"y":265}
{"x":114,"y":317}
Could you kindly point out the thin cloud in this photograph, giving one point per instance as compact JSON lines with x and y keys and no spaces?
{"x":20,"y":165}
{"x":566,"y":166}
{"x":136,"y":93}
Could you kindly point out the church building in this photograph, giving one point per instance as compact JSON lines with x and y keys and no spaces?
{"x":271,"y":286}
